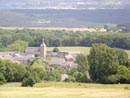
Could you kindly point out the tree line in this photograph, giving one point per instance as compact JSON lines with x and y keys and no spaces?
{"x":33,"y":38}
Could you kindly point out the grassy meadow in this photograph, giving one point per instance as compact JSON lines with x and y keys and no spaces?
{"x":65,"y":90}
{"x":84,"y":50}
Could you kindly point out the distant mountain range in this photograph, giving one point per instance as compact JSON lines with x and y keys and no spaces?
{"x":65,"y":4}
{"x":62,"y":17}
{"x":63,"y":13}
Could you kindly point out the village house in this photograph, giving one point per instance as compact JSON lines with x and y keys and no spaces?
{"x":64,"y":59}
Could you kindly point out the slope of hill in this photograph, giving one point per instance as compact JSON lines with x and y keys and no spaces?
{"x":62,"y":18}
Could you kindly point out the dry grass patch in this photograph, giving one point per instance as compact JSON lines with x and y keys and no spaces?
{"x":65,"y":90}
{"x":54,"y":28}
{"x":51,"y":92}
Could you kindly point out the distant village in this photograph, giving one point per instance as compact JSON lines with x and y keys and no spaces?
{"x":64,"y":59}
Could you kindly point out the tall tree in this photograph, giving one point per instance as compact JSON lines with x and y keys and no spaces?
{"x":83,"y":64}
{"x":103,"y":62}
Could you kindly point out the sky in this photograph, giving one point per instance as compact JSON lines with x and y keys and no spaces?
{"x":66,"y":3}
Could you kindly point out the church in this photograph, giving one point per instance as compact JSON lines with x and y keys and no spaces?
{"x":64,"y":59}
{"x":41,"y":51}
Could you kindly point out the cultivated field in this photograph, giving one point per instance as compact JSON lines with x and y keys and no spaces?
{"x":84,"y":50}
{"x":65,"y":90}
{"x":56,"y":28}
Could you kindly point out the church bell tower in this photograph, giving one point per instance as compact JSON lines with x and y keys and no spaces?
{"x":43,"y":49}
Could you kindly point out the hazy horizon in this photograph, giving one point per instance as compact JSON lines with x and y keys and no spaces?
{"x":64,"y":4}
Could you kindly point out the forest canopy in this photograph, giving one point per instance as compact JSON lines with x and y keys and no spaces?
{"x":54,"y":38}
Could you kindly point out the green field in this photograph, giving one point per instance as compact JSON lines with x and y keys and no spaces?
{"x":84,"y":50}
{"x":65,"y":90}
{"x":74,"y":48}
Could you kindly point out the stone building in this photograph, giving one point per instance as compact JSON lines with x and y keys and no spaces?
{"x":41,"y":51}
{"x":66,"y":59}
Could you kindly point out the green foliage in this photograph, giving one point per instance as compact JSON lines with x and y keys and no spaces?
{"x":38,"y":67}
{"x":56,"y":49}
{"x":12,"y":72}
{"x":113,"y":79}
{"x":40,"y":70}
{"x":123,"y":73}
{"x":19,"y":72}
{"x":11,"y":39}
{"x":18,"y":45}
{"x":81,"y":72}
{"x":28,"y":80}
{"x":83,"y":63}
{"x":103,"y":62}
{"x":2,"y":79}
{"x":2,"y":66}
{"x":38,"y":74}
{"x":122,"y":76}
{"x":54,"y":74}
{"x":71,"y":71}
{"x":104,"y":65}
{"x":122,"y":57}
{"x":38,"y":62}
{"x":70,"y":79}
{"x":80,"y":77}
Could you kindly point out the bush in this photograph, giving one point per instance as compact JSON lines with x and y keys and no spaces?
{"x":54,"y":75}
{"x":56,"y":50}
{"x":70,"y":79}
{"x":80,"y":77}
{"x":28,"y":82}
